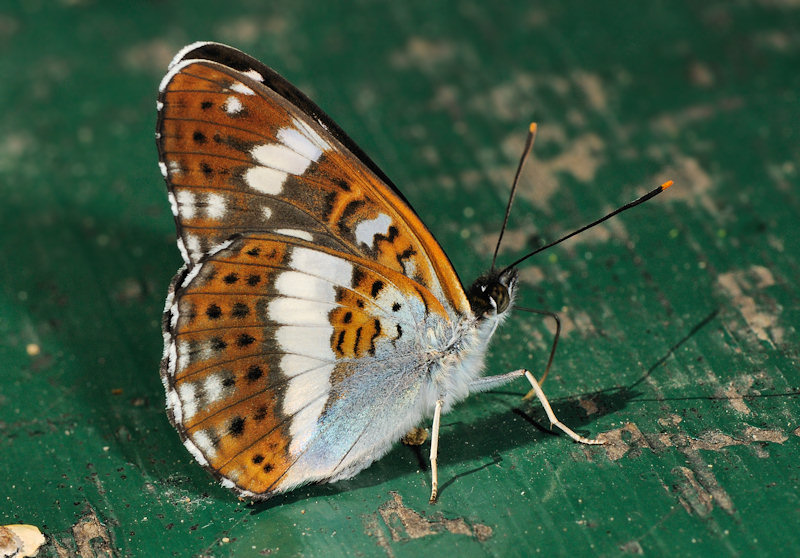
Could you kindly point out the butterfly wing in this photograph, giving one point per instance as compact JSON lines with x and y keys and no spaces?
{"x":295,"y":335}
{"x":242,"y":150}
{"x":287,"y":363}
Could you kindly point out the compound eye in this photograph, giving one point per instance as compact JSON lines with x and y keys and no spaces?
{"x":499,"y":294}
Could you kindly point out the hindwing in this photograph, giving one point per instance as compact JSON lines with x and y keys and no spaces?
{"x":287,"y":362}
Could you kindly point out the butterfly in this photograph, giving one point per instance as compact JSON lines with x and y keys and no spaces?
{"x":316,"y":319}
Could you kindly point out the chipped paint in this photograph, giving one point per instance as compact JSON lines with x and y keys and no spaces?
{"x":88,"y":537}
{"x":405,"y":524}
{"x":593,"y":89}
{"x":423,"y":53}
{"x":739,"y":285}
{"x":620,"y":441}
{"x":687,"y":170}
{"x":581,"y":157}
{"x":735,"y":391}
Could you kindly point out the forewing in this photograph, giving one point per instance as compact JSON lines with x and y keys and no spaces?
{"x":242,"y":150}
{"x":287,"y":362}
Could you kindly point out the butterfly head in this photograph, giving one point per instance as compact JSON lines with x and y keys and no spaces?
{"x":492,"y":294}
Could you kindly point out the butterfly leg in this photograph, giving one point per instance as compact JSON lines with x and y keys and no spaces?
{"x":491,"y":382}
{"x":552,"y":416}
{"x":437,"y":416}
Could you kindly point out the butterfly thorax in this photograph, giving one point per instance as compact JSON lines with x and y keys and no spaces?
{"x":457,"y":353}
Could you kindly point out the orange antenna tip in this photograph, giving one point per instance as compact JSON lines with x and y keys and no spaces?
{"x":666,"y":185}
{"x":532,"y":127}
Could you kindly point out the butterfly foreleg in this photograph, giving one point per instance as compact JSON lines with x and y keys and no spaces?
{"x":437,"y":416}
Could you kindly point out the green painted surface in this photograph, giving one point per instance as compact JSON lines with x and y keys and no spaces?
{"x":681,"y":340}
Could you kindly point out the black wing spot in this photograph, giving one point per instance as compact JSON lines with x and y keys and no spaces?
{"x":213,"y":311}
{"x":404,"y":255}
{"x":240,"y":310}
{"x":218,"y":344}
{"x":254,"y":251}
{"x":261,"y":414}
{"x":375,"y":335}
{"x":396,"y":306}
{"x":236,"y":427}
{"x":244,"y":340}
{"x":199,"y":137}
{"x":205,"y":105}
{"x":376,"y":288}
{"x":399,"y":332}
{"x":360,"y":303}
{"x":347,"y":317}
{"x":253,"y":280}
{"x":206,"y":169}
{"x":358,"y":338}
{"x":230,"y":381}
{"x":231,"y":278}
{"x":258,"y":458}
{"x":267,"y":468}
{"x":254,"y":373}
{"x":351,"y":208}
{"x":339,"y":342}
{"x":343,"y":184}
{"x":358,"y":276}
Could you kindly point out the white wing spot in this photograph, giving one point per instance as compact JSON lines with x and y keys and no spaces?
{"x":299,"y":143}
{"x":304,"y":340}
{"x":294,"y":284}
{"x":163,"y":167}
{"x":293,"y":311}
{"x":187,"y":394}
{"x":265,"y":180}
{"x":240,"y":87}
{"x":291,"y":365}
{"x":366,"y":230}
{"x":311,"y":134}
{"x":215,"y":206}
{"x":213,"y":388}
{"x":254,"y":75}
{"x":203,"y":441}
{"x":233,"y":105}
{"x":267,"y":212}
{"x":193,"y":244}
{"x":186,"y":203}
{"x":304,"y":235}
{"x":337,"y":270}
{"x":281,"y":157}
{"x":305,"y":388}
{"x":174,"y":167}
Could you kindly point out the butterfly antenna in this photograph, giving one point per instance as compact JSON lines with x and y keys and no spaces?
{"x":525,"y":152}
{"x":651,"y":194}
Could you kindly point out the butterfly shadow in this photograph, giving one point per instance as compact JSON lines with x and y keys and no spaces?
{"x":91,"y":294}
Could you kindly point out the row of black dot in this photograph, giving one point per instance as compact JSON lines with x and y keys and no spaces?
{"x":242,"y":340}
{"x":238,"y":310}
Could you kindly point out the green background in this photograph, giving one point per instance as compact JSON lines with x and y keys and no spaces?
{"x":680,"y":347}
